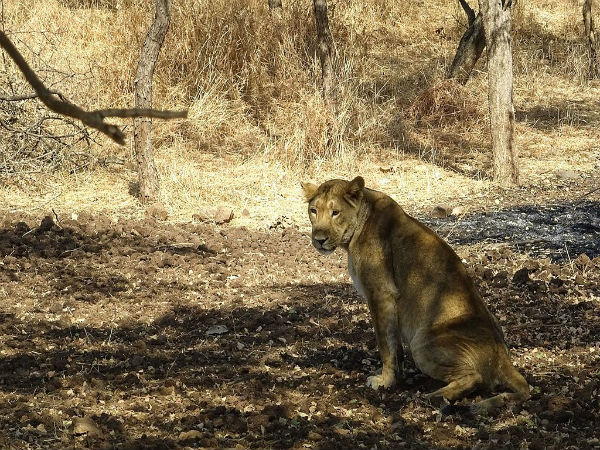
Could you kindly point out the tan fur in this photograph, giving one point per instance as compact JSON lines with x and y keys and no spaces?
{"x":418,"y":291}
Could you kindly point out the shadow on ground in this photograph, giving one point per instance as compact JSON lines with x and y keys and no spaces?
{"x":170,"y":336}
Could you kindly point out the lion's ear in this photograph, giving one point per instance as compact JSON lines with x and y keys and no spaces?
{"x":354,"y":190}
{"x":309,"y":190}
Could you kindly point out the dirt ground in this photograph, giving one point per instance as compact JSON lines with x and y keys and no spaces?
{"x":141,"y":334}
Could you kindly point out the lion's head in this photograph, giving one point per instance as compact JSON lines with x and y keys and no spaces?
{"x":333,"y":208}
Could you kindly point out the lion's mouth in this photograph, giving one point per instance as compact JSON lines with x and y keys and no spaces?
{"x":325,"y":248}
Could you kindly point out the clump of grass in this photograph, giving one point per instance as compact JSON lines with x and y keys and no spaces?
{"x":444,"y":103}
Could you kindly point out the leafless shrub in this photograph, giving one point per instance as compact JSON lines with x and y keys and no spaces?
{"x":33,"y":139}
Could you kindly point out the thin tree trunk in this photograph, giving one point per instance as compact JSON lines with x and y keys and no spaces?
{"x":324,"y":46}
{"x":590,"y":35}
{"x":497,"y":25}
{"x":147,"y":173}
{"x":470,"y":47}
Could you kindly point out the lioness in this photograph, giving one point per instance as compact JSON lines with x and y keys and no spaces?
{"x":417,"y":290}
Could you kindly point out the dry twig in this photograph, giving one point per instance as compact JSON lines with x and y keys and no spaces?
{"x":94,"y":119}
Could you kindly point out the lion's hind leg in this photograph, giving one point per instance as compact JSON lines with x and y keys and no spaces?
{"x":458,"y":387}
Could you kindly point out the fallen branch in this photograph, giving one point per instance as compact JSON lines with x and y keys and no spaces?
{"x":94,"y":119}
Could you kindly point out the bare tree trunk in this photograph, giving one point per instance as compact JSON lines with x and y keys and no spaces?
{"x":470,"y":47}
{"x":144,"y":153}
{"x":590,"y":34}
{"x":324,"y":46}
{"x":273,"y":4}
{"x":497,"y":25}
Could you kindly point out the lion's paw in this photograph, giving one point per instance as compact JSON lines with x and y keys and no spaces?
{"x":383,"y":381}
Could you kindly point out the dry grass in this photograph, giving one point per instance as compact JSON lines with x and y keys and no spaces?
{"x":258,"y":123}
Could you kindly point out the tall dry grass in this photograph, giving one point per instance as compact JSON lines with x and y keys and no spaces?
{"x":252,"y":82}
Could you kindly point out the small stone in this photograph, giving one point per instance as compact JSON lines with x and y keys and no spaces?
{"x":277,"y":411}
{"x":157,"y":210}
{"x":46,"y":224}
{"x":521,"y":276}
{"x":223,"y":215}
{"x":566,"y":174}
{"x":86,"y":425}
{"x":216,"y":330}
{"x":204,"y":215}
{"x":342,"y":431}
{"x":189,"y":435}
{"x":314,"y":436}
{"x":245,"y":212}
{"x":440,"y":212}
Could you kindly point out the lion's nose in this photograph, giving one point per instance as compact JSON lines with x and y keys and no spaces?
{"x":321,"y":241}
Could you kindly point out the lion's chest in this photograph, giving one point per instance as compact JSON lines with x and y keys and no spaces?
{"x":355,"y":279}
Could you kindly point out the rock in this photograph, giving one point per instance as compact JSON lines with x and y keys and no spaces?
{"x":217,"y":329}
{"x":521,"y":276}
{"x":21,"y":228}
{"x":220,"y":215}
{"x":223,"y":215}
{"x":86,"y":425}
{"x":245,"y":212}
{"x":189,"y":435}
{"x":440,"y":212}
{"x":277,"y":411}
{"x":157,"y":210}
{"x":204,"y":215}
{"x":46,"y":225}
{"x":566,"y":174}
{"x":342,"y":431}
{"x":314,"y":436}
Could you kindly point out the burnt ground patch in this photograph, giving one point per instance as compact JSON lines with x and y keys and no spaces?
{"x":558,"y":231}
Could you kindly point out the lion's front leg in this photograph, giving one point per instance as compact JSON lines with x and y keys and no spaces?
{"x":385,"y":321}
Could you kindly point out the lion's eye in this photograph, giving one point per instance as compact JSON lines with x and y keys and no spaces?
{"x":313,"y":210}
{"x":335,"y":212}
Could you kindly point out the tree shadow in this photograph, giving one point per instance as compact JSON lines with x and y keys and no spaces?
{"x":575,"y":113}
{"x":314,"y":343}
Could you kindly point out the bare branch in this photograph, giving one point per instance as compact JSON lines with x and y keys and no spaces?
{"x":94,"y":119}
{"x":18,"y":98}
{"x":468,"y":11}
